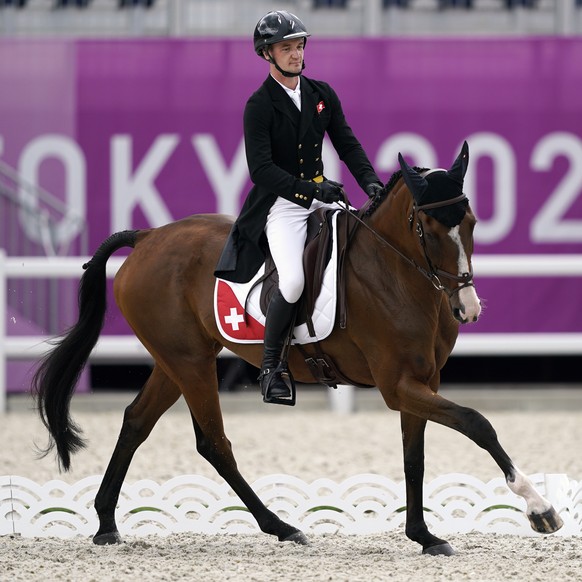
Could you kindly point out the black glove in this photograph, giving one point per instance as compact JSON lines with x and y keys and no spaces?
{"x":374,"y":189}
{"x":329,"y":191}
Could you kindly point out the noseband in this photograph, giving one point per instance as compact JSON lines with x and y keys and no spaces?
{"x":433,"y":274}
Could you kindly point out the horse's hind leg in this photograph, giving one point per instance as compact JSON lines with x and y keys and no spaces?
{"x":413,"y":428}
{"x":212,"y":444}
{"x":158,"y":394}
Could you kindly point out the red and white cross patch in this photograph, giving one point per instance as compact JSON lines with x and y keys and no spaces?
{"x":231,"y":317}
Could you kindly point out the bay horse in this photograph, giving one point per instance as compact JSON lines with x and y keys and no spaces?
{"x":409,"y":286}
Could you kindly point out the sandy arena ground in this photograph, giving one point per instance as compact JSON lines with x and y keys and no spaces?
{"x":541,"y":430}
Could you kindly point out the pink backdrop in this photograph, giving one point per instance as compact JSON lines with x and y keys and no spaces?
{"x":135,"y":133}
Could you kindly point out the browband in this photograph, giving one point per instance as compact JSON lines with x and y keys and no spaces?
{"x":442,"y":203}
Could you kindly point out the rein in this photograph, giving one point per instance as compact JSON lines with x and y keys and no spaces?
{"x":432,"y":274}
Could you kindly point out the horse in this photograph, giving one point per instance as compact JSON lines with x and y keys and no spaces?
{"x":408,"y":287}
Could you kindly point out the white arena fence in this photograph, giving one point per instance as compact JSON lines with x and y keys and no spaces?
{"x":362,"y":504}
{"x":129,"y":349}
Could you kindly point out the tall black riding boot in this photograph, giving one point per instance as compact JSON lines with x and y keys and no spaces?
{"x":280,"y":316}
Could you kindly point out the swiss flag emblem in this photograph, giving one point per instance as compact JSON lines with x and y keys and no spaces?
{"x":320,"y":106}
{"x":232,"y":318}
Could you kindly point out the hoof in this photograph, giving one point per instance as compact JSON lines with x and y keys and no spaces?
{"x":547,"y":522}
{"x":107,"y":539}
{"x":298,"y":537}
{"x":439,"y":550}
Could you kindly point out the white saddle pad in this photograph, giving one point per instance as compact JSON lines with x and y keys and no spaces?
{"x":230,"y":299}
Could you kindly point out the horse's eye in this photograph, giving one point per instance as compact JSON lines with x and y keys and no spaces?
{"x":431,"y":237}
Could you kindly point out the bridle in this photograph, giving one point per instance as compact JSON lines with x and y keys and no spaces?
{"x":433,"y":274}
{"x":464,"y":279}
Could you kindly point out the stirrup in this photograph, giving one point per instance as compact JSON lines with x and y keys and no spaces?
{"x":286,"y":375}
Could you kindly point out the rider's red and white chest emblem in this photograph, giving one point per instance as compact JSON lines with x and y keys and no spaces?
{"x":320,"y":106}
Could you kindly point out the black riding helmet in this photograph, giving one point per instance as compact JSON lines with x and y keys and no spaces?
{"x":275,"y":27}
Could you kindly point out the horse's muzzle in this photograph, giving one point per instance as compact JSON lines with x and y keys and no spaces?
{"x":465,"y":304}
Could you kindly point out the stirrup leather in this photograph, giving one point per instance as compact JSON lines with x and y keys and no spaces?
{"x":265,"y":379}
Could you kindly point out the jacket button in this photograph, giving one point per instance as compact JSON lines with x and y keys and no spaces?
{"x":315,"y":145}
{"x":300,"y":146}
{"x":297,"y":195}
{"x":316,"y":172}
{"x":302,"y":175}
{"x":301,"y":161}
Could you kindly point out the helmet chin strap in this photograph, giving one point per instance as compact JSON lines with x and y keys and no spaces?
{"x":284,"y":73}
{"x":287,"y":73}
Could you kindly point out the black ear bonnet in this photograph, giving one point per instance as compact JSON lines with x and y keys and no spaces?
{"x":442,"y":187}
{"x":439,"y":186}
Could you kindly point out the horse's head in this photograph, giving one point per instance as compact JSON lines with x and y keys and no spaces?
{"x":445,"y":223}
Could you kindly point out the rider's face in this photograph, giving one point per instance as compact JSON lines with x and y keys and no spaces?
{"x":288,"y":54}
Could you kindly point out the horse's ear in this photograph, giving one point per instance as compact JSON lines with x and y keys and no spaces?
{"x":459,"y":167}
{"x":415,"y":182}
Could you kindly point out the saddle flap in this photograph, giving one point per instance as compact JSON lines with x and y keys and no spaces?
{"x":316,"y":255}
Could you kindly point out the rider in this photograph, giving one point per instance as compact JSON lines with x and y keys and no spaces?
{"x":284,"y":125}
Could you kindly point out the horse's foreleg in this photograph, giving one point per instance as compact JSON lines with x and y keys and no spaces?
{"x":413,"y":442}
{"x":212,"y":444}
{"x":158,"y":394}
{"x":424,"y":403}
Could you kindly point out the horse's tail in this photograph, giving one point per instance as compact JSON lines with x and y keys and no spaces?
{"x":56,"y":378}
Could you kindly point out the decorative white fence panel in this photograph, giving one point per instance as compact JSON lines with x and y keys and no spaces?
{"x":362,"y":504}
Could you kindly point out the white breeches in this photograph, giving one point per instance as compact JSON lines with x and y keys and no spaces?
{"x":286,"y":231}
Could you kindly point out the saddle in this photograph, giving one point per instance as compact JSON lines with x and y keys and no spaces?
{"x":316,"y":256}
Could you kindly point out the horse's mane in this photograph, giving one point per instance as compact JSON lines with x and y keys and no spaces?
{"x":383,"y":194}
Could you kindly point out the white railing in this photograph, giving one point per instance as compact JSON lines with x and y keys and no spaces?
{"x":513,"y":344}
{"x":129,"y":349}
